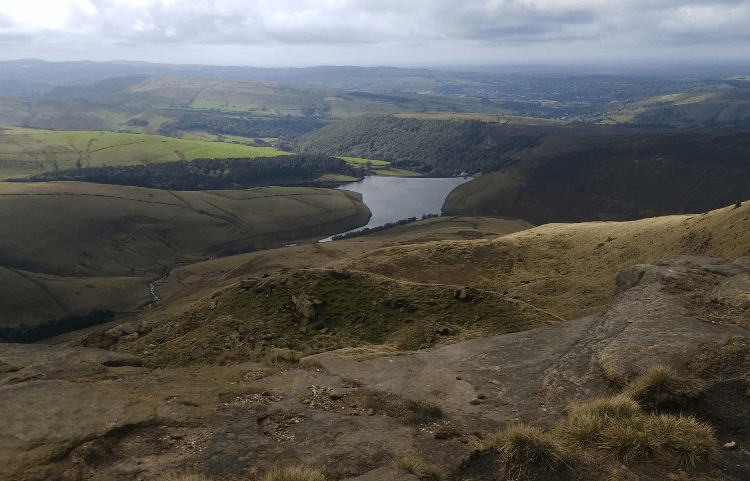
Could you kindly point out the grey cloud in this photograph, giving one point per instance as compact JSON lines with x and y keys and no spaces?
{"x":407,"y":25}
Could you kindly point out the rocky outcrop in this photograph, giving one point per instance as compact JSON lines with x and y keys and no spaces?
{"x":125,"y":423}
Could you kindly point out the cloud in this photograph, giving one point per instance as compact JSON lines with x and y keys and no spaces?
{"x":627,"y":26}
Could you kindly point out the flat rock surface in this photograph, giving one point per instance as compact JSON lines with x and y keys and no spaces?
{"x":94,"y":414}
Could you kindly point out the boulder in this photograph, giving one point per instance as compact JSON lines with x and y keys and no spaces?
{"x":304,"y":306}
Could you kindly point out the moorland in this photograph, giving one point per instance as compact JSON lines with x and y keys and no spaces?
{"x":578,"y":311}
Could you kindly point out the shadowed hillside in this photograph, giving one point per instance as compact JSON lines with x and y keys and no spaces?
{"x":79,"y":247}
{"x":615,"y":175}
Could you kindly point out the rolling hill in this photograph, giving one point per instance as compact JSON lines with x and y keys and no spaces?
{"x":80,"y":247}
{"x":582,"y":174}
{"x":26,"y":152}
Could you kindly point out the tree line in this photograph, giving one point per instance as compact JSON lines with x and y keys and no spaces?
{"x":54,"y":327}
{"x":387,"y":225}
{"x":208,"y":174}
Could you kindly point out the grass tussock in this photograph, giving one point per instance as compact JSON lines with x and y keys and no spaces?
{"x":294,"y":473}
{"x":522,"y":444}
{"x":417,"y":467}
{"x":616,"y":427}
{"x":277,"y":356}
{"x":182,"y":477}
{"x":310,"y":362}
{"x":657,"y":379}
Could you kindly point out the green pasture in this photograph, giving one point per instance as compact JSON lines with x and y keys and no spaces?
{"x":28,"y":151}
{"x":227,"y":106}
{"x":379,"y":167}
{"x":358,"y":162}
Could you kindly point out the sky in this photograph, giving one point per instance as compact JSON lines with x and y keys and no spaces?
{"x":298,"y":33}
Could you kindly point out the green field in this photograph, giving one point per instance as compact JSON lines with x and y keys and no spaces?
{"x":357,"y":162}
{"x":379,"y":167}
{"x":231,"y":106}
{"x":28,"y":151}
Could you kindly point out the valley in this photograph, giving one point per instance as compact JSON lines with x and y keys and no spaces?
{"x":573,"y":303}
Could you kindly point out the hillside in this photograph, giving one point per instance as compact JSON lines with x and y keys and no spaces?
{"x":26,"y":152}
{"x":435,"y":147}
{"x":414,"y":363}
{"x":397,"y":297}
{"x":723,"y":107}
{"x":79,"y":247}
{"x":613,"y":174}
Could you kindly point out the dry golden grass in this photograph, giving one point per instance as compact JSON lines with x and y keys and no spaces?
{"x":611,"y":427}
{"x":182,"y":477}
{"x":565,"y":269}
{"x":294,"y":473}
{"x":417,"y":467}
{"x":276,"y":356}
{"x":657,"y":378}
{"x":523,"y":444}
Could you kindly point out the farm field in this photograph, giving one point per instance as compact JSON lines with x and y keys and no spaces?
{"x":27,"y":151}
{"x":379,"y":167}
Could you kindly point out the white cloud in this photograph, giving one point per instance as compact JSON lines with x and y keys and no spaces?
{"x":343,"y":28}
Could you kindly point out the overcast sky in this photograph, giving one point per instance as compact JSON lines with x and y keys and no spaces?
{"x":374,"y":32}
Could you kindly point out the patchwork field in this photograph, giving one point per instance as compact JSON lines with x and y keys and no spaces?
{"x":29,"y":151}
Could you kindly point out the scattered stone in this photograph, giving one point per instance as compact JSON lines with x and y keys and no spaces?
{"x":370,"y":412}
{"x":264,"y":287}
{"x":401,"y":305}
{"x":466,"y":294}
{"x":730,"y":445}
{"x":428,"y":339}
{"x":249,"y":283}
{"x":336,"y":395}
{"x":475,"y":402}
{"x":443,"y":331}
{"x":128,"y":328}
{"x":481,"y":396}
{"x":304,"y":306}
{"x":339,"y":274}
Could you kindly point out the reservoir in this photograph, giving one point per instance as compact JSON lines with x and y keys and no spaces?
{"x":391,"y":199}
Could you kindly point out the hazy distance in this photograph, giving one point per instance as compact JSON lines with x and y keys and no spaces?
{"x":297,"y":33}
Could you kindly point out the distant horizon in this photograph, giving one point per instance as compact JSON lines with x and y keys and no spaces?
{"x":643,"y":65}
{"x":404,"y":33}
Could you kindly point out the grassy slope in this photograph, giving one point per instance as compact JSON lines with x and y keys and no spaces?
{"x":684,"y":110}
{"x":91,"y":231}
{"x":28,"y":151}
{"x":524,"y":279}
{"x":585,"y":172}
{"x":378,"y":167}
{"x":565,"y":269}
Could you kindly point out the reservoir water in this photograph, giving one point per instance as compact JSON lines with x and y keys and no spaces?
{"x":391,"y":199}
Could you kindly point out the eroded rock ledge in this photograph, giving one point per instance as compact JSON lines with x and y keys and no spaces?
{"x":75,"y":413}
